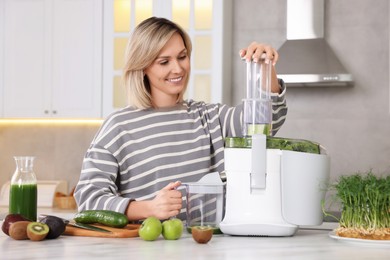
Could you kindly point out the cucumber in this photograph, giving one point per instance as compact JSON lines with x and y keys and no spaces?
{"x":105,"y":217}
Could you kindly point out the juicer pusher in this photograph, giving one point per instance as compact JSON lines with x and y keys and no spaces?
{"x":257,"y":106}
{"x":257,"y":113}
{"x":258,"y":77}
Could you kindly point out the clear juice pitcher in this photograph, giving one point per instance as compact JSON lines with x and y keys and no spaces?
{"x":257,"y":106}
{"x":205,"y":201}
{"x":23,"y":189}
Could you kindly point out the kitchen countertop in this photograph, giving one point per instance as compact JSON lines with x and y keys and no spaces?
{"x":307,"y":243}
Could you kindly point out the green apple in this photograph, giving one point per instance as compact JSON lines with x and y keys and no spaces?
{"x":172,"y":229}
{"x":150,"y":229}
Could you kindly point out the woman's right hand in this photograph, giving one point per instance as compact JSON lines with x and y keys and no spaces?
{"x":255,"y":51}
{"x":168,"y":202}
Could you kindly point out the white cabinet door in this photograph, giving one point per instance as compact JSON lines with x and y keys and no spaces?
{"x":25,"y":43}
{"x":52,"y":58}
{"x":77,"y":58}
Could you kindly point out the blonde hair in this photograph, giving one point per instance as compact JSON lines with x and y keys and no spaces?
{"x":146,"y":42}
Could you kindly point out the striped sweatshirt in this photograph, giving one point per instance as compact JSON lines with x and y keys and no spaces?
{"x":137,"y":152}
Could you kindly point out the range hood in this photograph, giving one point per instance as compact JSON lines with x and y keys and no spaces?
{"x":306,"y":59}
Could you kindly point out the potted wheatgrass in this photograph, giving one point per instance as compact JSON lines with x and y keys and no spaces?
{"x":365,"y":206}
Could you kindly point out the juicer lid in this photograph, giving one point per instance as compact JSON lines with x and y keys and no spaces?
{"x":281,"y":143}
{"x":210,"y":179}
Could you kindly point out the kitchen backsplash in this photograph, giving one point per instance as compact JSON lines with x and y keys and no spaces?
{"x":59,"y":148}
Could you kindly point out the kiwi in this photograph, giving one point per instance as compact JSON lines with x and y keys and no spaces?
{"x":202,"y":234}
{"x":56,"y":226}
{"x":37,"y":231}
{"x":18,"y":230}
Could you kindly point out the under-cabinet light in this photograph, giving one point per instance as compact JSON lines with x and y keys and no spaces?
{"x":50,"y":121}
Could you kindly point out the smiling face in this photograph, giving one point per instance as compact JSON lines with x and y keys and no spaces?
{"x":168,"y":74}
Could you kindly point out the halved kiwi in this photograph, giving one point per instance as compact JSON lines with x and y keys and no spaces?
{"x":37,"y":231}
{"x":202,"y":234}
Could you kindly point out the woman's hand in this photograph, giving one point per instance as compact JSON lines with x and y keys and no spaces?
{"x":255,"y":52}
{"x":168,"y":201}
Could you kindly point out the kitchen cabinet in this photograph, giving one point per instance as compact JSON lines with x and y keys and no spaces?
{"x":51,"y":58}
{"x":208,"y":23}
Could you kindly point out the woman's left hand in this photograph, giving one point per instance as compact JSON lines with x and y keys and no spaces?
{"x":255,"y":51}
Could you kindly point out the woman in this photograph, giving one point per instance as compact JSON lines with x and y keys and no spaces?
{"x":142,"y":153}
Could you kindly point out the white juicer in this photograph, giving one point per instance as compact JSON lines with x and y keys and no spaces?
{"x":269,"y":192}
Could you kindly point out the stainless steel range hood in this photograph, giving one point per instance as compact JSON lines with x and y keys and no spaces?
{"x":306,"y":59}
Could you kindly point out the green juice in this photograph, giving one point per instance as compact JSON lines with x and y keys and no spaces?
{"x":23,"y":200}
{"x":216,"y":230}
{"x":259,"y":129}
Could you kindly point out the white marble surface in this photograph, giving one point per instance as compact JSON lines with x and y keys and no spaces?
{"x":306,"y":244}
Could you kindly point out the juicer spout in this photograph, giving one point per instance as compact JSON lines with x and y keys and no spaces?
{"x":259,"y":161}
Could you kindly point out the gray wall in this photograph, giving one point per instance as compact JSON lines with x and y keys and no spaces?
{"x":353,"y":123}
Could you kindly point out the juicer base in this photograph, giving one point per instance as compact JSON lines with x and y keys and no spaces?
{"x":253,"y":229}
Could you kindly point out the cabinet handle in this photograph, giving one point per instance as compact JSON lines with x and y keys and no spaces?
{"x":54,"y":112}
{"x":46,"y":112}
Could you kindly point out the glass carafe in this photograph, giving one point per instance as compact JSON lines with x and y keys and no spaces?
{"x":23,"y":189}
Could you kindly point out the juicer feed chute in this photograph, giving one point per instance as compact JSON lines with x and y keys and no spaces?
{"x":257,"y":106}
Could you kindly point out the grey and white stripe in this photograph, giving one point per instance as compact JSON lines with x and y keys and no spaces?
{"x":138,"y":152}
